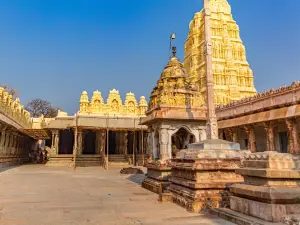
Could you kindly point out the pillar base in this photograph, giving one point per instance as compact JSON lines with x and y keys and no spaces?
{"x":157,"y":177}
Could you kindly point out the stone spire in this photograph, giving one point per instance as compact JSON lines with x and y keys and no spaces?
{"x":232,"y":76}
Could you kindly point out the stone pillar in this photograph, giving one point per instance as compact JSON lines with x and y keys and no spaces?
{"x":55,"y":142}
{"x":149,"y":149}
{"x":125,"y":134}
{"x":163,"y":144}
{"x":7,"y":140}
{"x":228,"y":134}
{"x":14,"y":142}
{"x":293,"y":142}
{"x":249,"y":130}
{"x":269,"y":128}
{"x":79,"y":142}
{"x":221,"y":134}
{"x":2,"y":141}
{"x":234,"y":134}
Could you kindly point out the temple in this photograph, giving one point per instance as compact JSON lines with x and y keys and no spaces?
{"x":258,"y":156}
{"x":102,"y":133}
{"x":232,"y":76}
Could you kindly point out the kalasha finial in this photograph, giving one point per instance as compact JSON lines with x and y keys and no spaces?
{"x":174,"y":51}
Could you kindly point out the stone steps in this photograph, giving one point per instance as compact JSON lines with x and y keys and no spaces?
{"x":239,"y":218}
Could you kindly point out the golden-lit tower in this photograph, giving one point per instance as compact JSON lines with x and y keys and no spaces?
{"x":232,"y":76}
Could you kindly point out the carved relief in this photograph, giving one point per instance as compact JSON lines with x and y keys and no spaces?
{"x":114,"y":104}
{"x":13,"y":109}
{"x":231,"y":51}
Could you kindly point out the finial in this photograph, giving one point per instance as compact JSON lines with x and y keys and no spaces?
{"x":174,"y":51}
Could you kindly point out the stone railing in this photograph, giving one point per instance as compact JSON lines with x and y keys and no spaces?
{"x":13,"y":110}
{"x":283,"y":96}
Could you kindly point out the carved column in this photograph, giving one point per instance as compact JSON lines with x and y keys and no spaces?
{"x":2,"y":141}
{"x":55,"y":143}
{"x":125,"y":141}
{"x":102,"y":141}
{"x":150,"y":145}
{"x":13,"y":147}
{"x":79,"y":142}
{"x":234,"y":134}
{"x":293,"y":143}
{"x":220,"y":133}
{"x":269,"y":128}
{"x":228,"y":134}
{"x":163,"y":143}
{"x":251,"y":138}
{"x":6,"y":145}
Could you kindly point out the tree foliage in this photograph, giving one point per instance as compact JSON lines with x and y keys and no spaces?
{"x":11,"y":91}
{"x":38,"y":107}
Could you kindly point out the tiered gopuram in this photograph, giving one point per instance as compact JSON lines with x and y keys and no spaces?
{"x":233,"y":78}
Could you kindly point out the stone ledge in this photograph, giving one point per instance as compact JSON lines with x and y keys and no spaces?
{"x":204,"y":184}
{"x":278,"y":195}
{"x":269,"y":173}
{"x":155,"y":185}
{"x":239,"y":218}
{"x":265,"y":211}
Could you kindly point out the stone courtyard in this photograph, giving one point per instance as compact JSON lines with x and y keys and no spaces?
{"x":39,"y":195}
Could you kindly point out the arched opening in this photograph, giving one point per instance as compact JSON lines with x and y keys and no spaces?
{"x":180,"y":140}
{"x":66,"y":142}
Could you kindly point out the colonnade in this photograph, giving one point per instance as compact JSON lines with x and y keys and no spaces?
{"x":270,"y":140}
{"x":125,"y":142}
{"x":14,"y":146}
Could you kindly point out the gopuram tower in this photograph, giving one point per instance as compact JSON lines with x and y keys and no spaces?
{"x":232,"y":76}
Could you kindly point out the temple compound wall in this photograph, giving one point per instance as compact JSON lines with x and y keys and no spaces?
{"x":15,"y":144}
{"x":269,"y":121}
{"x":100,"y":132}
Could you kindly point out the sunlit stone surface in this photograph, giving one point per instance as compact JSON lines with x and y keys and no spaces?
{"x":233,"y":78}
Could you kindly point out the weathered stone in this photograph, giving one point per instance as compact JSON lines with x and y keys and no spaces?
{"x":200,"y":177}
{"x":271,"y":188}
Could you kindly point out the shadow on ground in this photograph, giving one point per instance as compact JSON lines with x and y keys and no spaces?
{"x":5,"y":168}
{"x":137,"y":178}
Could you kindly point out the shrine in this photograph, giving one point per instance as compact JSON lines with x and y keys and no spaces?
{"x":175,"y":117}
{"x":100,"y":132}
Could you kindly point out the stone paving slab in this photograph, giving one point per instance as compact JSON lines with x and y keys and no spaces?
{"x":39,"y":195}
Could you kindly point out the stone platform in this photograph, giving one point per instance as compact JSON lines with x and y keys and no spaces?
{"x":157,"y":177}
{"x":68,"y":160}
{"x":201,"y":174}
{"x":271,"y":190}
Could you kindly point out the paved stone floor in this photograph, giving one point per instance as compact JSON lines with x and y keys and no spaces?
{"x":39,"y":195}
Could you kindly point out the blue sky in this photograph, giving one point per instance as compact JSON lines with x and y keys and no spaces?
{"x":55,"y":49}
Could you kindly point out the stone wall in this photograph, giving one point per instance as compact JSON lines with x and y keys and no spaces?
{"x":14,"y":146}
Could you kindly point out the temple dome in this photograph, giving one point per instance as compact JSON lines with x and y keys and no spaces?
{"x":174,"y":69}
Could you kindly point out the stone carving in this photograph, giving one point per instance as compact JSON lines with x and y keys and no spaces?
{"x":14,"y":110}
{"x":263,"y":95}
{"x":271,"y":188}
{"x":174,"y":88}
{"x":114,"y":104}
{"x":228,"y":55}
